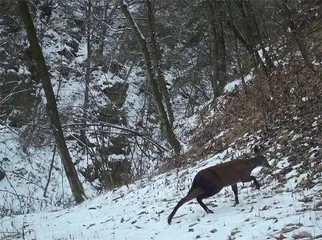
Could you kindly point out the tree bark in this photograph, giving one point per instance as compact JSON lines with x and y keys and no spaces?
{"x":251,"y":37}
{"x":75,"y":184}
{"x":157,"y":56}
{"x":219,"y":25}
{"x":172,"y":139}
{"x":213,"y":49}
{"x":258,"y":35}
{"x":301,"y":43}
{"x":83,"y":138}
{"x":217,"y":46}
{"x":238,"y":59}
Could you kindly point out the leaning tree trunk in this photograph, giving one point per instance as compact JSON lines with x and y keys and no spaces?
{"x":75,"y":184}
{"x":172,"y":139}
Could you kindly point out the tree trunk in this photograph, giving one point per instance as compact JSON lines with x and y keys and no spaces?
{"x":172,"y":139}
{"x":217,"y":46}
{"x":301,"y":43}
{"x":83,"y":138}
{"x":219,"y":25}
{"x":75,"y":184}
{"x":258,"y":36}
{"x":238,"y":59}
{"x":213,"y":49}
{"x":157,"y":56}
{"x":251,"y":37}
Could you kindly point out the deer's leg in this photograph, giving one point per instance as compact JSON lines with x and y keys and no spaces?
{"x":193,"y":192}
{"x":208,"y":192}
{"x":251,"y":178}
{"x":235,"y":190}
{"x":199,"y":199}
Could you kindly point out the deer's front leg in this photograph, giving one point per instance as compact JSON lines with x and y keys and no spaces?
{"x":249,"y":179}
{"x":252,"y":178}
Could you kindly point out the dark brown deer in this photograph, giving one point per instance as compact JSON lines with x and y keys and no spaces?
{"x":211,"y":180}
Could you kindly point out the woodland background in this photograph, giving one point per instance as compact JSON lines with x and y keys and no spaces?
{"x":141,"y":86}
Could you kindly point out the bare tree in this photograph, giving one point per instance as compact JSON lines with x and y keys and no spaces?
{"x":298,"y":36}
{"x":151,"y":75}
{"x":249,"y":34}
{"x":83,"y":138}
{"x":217,"y":46}
{"x":71,"y":173}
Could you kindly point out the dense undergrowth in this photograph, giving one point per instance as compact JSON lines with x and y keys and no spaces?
{"x":282,"y":111}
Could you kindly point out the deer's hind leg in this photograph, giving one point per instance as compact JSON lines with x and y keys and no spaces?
{"x":208,"y":192}
{"x":210,"y":184}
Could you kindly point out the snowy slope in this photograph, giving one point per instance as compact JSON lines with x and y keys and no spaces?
{"x":140,"y":211}
{"x":27,"y":171}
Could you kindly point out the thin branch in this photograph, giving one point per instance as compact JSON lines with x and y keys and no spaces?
{"x":50,"y":170}
{"x":15,"y":192}
{"x":19,"y":195}
{"x":109,"y":125}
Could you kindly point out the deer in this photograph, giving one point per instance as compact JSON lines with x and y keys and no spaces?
{"x":212,"y":180}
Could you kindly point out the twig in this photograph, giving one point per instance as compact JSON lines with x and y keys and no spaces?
{"x":127,"y":130}
{"x":18,"y":196}
{"x":50,"y":170}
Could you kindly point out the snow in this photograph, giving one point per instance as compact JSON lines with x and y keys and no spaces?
{"x":140,"y":211}
{"x":232,"y":85}
{"x":27,"y":170}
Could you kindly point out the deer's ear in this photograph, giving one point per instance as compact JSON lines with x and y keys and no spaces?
{"x":257,"y":150}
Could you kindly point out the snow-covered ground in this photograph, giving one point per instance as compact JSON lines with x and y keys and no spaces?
{"x":23,"y":190}
{"x":140,"y":211}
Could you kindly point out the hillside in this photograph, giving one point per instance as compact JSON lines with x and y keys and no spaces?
{"x":288,"y":205}
{"x":139,"y":211}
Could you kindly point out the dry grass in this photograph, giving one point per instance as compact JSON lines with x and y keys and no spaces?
{"x":287,"y":100}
